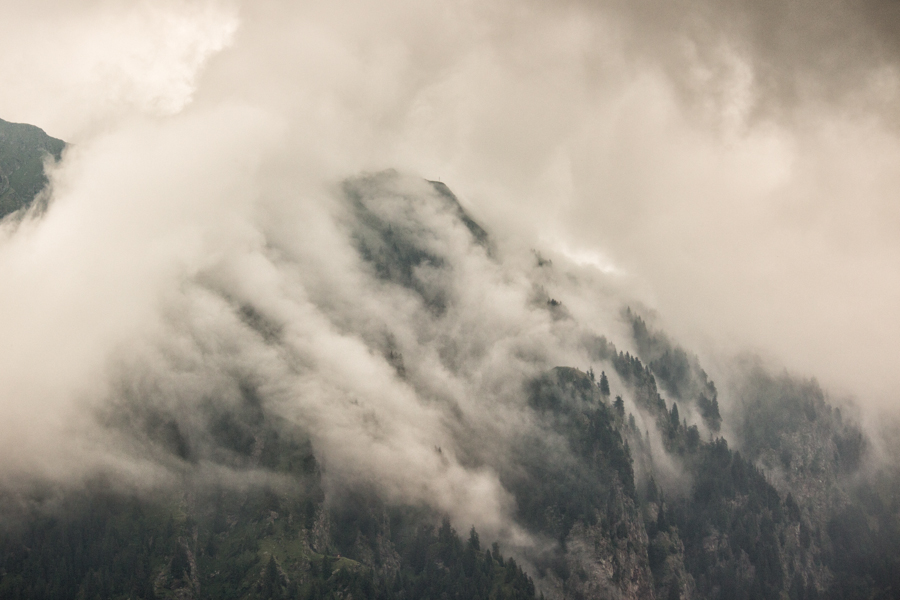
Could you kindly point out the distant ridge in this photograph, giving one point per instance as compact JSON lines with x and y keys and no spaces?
{"x":22,"y":151}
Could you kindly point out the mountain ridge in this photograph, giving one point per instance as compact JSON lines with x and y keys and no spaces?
{"x":620,"y":485}
{"x":23,"y":150}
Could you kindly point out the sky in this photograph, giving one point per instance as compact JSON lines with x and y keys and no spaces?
{"x":731,"y":168}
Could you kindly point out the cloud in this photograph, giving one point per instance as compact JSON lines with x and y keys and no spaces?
{"x":200,"y":236}
{"x":73,"y":67}
{"x":134,"y":213}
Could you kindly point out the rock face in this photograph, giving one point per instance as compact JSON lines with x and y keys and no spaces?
{"x":609,"y":560}
{"x":23,"y":150}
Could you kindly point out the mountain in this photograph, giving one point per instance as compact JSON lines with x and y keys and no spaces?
{"x":23,"y":150}
{"x":611,"y":480}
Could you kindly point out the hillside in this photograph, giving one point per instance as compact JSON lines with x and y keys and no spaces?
{"x":23,"y":150}
{"x":612,"y":478}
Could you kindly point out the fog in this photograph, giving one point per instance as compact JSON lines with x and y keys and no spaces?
{"x":730,"y":169}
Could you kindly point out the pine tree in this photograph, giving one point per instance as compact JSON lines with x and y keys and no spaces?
{"x":180,"y":562}
{"x":271,"y":583}
{"x":474,"y":542}
{"x":604,"y":384}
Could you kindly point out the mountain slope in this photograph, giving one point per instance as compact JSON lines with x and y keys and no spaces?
{"x":333,"y":438}
{"x":23,"y":150}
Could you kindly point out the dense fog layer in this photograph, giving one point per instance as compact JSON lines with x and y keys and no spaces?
{"x":210,"y":234}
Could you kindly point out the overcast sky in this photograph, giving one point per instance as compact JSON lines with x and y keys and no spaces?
{"x":736,"y":165}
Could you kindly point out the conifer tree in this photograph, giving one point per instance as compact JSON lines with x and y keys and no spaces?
{"x":604,"y":384}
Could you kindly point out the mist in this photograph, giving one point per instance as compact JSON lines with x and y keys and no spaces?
{"x":728,"y":169}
